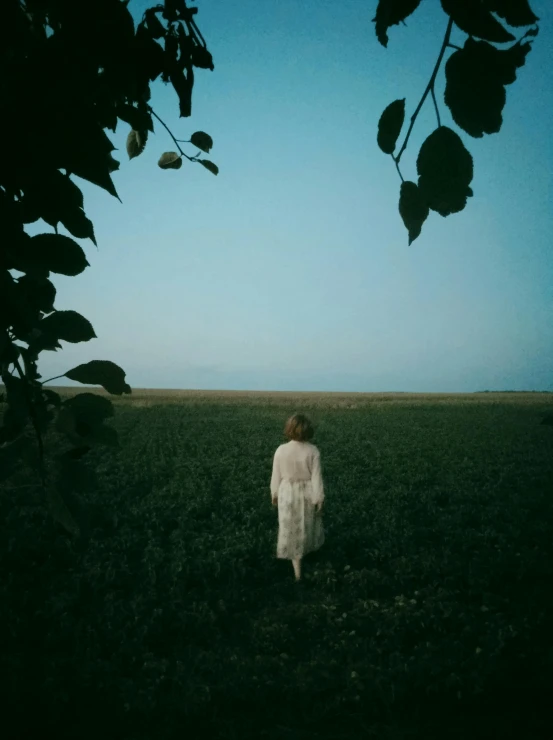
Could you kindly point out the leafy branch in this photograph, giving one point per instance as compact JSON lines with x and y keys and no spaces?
{"x":476,"y":76}
{"x":429,"y":89}
{"x":84,"y":84}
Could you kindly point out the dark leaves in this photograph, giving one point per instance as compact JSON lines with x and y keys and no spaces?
{"x":77,"y":224}
{"x":69,"y":326}
{"x":202,"y":58}
{"x":136,"y":142}
{"x":138,"y":119}
{"x":390,"y":13}
{"x":101,"y":372}
{"x":475,"y":80}
{"x":153,"y":24}
{"x":390,"y":124}
{"x":56,"y":253}
{"x":202,"y":140}
{"x":51,"y":196}
{"x":82,"y":417}
{"x":445,"y":171}
{"x":413,"y":209}
{"x":516,"y":12}
{"x":209,"y":166}
{"x":51,"y":398}
{"x":170,"y":161}
{"x":39,"y":293}
{"x":89,"y":408}
{"x":183,"y":85}
{"x":86,"y":148}
{"x":473,"y":18}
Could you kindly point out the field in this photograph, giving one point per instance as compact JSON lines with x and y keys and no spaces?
{"x":428,"y":613}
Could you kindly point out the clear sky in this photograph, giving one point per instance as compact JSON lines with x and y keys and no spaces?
{"x":291,"y":270}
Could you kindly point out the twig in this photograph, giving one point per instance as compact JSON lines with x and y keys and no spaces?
{"x":429,"y":88}
{"x":397,"y":168}
{"x":436,"y":105}
{"x":57,"y":377}
{"x":454,"y":46}
{"x":166,"y":127}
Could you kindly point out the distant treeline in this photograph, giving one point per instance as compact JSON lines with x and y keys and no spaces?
{"x":513,"y":391}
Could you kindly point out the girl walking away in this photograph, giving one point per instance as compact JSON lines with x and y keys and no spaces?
{"x":297,"y":489}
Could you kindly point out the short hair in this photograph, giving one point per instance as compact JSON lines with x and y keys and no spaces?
{"x":299,"y":428}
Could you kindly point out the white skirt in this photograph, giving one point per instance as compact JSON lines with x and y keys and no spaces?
{"x":300,"y":527}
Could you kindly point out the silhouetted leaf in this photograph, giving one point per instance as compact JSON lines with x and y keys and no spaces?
{"x":183,"y":87}
{"x":136,"y":142}
{"x":475,"y":79}
{"x":101,"y":372}
{"x":149,"y":58}
{"x":57,"y":253}
{"x":202,"y":58}
{"x":65,"y":421}
{"x":68,"y":326}
{"x":445,"y":171}
{"x":153,"y":24}
{"x":104,"y":435}
{"x":29,"y":210}
{"x":90,"y":158}
{"x":90,"y":408}
{"x":390,"y":13}
{"x":51,"y":397}
{"x":76,"y":222}
{"x":390,"y":124}
{"x":137,"y":118}
{"x":202,"y":140}
{"x":40,"y":293}
{"x":52,"y":195}
{"x":516,"y":12}
{"x":209,"y":166}
{"x":473,"y":18}
{"x":413,"y":209}
{"x":170,"y":161}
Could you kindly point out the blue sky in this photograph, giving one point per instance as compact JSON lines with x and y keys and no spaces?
{"x":291,"y":270}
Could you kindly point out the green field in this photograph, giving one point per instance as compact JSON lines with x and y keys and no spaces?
{"x":428,"y":613}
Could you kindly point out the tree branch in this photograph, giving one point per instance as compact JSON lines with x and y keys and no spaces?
{"x":436,"y":105}
{"x":429,"y":89}
{"x":166,"y":127}
{"x":398,"y":170}
{"x":56,"y":377}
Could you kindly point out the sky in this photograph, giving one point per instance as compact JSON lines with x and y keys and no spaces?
{"x":291,"y":269}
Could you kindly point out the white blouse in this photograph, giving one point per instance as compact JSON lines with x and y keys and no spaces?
{"x":298,"y":461}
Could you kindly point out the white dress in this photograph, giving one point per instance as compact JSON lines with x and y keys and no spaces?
{"x":298,"y":483}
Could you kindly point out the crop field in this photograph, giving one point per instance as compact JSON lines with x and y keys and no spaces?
{"x":428,"y":612}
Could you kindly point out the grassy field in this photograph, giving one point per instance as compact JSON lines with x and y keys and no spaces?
{"x":428,"y":613}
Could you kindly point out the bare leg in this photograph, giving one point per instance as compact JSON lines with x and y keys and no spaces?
{"x":297,"y":568}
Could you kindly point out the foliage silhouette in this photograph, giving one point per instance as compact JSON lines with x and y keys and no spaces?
{"x":69,"y":72}
{"x":476,"y":76}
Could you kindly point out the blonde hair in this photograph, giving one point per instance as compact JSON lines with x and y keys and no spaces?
{"x":299,"y":428}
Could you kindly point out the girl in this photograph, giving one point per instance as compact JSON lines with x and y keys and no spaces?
{"x":297,"y":489}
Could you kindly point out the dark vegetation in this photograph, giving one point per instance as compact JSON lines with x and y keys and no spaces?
{"x":427,"y":614}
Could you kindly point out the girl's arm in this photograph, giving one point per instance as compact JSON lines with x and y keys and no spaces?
{"x":275,"y":478}
{"x":317,"y":479}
